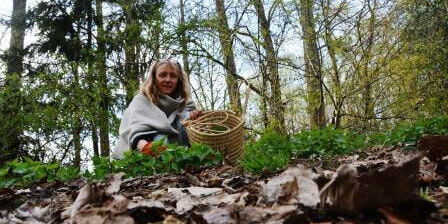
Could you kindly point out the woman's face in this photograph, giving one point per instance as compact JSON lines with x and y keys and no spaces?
{"x":167,"y":77}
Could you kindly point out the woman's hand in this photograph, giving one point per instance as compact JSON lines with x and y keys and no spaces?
{"x":140,"y":144}
{"x":195,"y":114}
{"x":146,"y":148}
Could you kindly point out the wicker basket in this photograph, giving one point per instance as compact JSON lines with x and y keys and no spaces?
{"x":221,"y":130}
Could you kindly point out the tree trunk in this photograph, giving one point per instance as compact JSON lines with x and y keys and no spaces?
{"x":329,"y":41}
{"x":91,"y":79}
{"x":369,"y":113}
{"x":183,"y":40}
{"x":315,"y":98}
{"x":226,"y":40}
{"x":104,"y":92}
{"x":77,"y":128}
{"x":276,"y":103}
{"x":11,"y":110}
{"x":132,"y":32}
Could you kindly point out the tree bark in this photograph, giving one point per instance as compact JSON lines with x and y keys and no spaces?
{"x":226,"y":40}
{"x":184,"y":41}
{"x":77,"y":126}
{"x":313,"y":70}
{"x":91,"y":78}
{"x":275,"y":101}
{"x":11,"y":110}
{"x":368,"y":110}
{"x":329,"y":41}
{"x":104,"y":92}
{"x":132,"y":32}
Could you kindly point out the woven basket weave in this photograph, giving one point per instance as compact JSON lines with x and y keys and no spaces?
{"x":221,"y":130}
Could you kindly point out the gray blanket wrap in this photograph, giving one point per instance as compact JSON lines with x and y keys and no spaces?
{"x":142,"y":117}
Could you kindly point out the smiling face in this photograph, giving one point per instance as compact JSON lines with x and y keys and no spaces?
{"x":167,"y":77}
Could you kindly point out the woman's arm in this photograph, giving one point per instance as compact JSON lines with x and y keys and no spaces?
{"x":190,"y":111}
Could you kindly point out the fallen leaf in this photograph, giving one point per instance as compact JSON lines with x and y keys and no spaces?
{"x":113,"y":211}
{"x":434,"y":147}
{"x":225,"y":215}
{"x":275,"y":214}
{"x":341,"y":189}
{"x":444,"y":189}
{"x":114,"y":184}
{"x":428,"y":170}
{"x":82,"y":199}
{"x":194,"y":181}
{"x":32,"y":212}
{"x":172,"y":220}
{"x":392,"y":184}
{"x":235,"y":183}
{"x":392,"y":217}
{"x":187,"y":198}
{"x":295,"y":185}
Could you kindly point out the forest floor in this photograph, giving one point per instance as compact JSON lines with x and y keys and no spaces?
{"x":393,"y":184}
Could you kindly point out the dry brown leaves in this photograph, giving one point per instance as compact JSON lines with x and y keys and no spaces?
{"x":383,"y":187}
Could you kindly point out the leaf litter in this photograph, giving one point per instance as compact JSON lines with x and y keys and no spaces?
{"x":382,"y":185}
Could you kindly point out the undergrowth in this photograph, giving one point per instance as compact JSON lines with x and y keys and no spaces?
{"x":21,"y":174}
{"x":325,"y":142}
{"x":176,"y":158}
{"x":409,"y":133}
{"x":271,"y":152}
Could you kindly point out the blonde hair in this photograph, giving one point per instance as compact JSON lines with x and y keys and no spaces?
{"x":149,"y":88}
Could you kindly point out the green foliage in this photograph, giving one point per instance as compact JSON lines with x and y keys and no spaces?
{"x":271,"y":152}
{"x":174,"y":159}
{"x":409,"y":133}
{"x":424,"y":194}
{"x":327,"y":141}
{"x":21,"y":174}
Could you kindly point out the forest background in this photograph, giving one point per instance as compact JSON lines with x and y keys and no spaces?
{"x":70,"y":68}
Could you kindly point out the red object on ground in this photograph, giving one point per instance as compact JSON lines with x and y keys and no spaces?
{"x":147,"y":149}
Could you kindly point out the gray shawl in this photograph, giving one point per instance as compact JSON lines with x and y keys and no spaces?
{"x":142,"y":117}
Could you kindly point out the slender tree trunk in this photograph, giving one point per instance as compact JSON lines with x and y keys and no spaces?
{"x":132,"y":32}
{"x":183,"y":40}
{"x":95,"y":140}
{"x":15,"y":64}
{"x":91,"y":79}
{"x":264,"y":97}
{"x":12,"y":108}
{"x":77,"y":126}
{"x":102,"y":81}
{"x":315,"y":98}
{"x":226,"y":40}
{"x":157,"y":38}
{"x":276,"y":103}
{"x":369,"y":113}
{"x":329,"y":41}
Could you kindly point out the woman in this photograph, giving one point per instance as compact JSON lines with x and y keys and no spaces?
{"x":156,"y":111}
